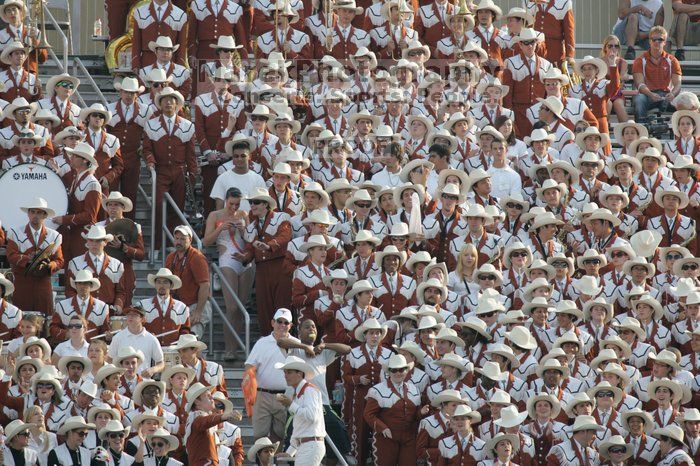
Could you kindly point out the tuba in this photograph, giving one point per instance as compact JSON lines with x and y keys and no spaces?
{"x":126,"y":230}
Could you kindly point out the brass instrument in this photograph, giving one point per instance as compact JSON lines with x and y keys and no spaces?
{"x":35,"y":264}
{"x":126,"y":231}
{"x":39,"y":22}
{"x":328,"y":12}
{"x":574,"y":78}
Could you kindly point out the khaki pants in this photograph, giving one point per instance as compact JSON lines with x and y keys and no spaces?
{"x":269,"y":417}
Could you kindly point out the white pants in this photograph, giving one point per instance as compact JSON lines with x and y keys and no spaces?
{"x":310,"y":453}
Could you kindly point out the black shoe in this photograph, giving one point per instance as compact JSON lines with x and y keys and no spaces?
{"x":680,"y":54}
{"x":630,"y":54}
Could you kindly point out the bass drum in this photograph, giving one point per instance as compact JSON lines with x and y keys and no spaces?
{"x":21,"y":184}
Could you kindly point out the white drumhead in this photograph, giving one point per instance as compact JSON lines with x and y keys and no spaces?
{"x":21,"y":184}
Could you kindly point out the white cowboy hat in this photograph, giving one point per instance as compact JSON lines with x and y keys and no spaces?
{"x":452,"y":189}
{"x":15,"y":428}
{"x":646,"y":242}
{"x":577,"y":399}
{"x":448,"y":395}
{"x":616,"y":369}
{"x":397,"y":361}
{"x":162,"y":42}
{"x":630,"y":323}
{"x":684,"y":162}
{"x":225,"y":43}
{"x":517,"y":12}
{"x":621,"y":127}
{"x":364,"y":52}
{"x":197,"y":389}
{"x":411,"y":347}
{"x":585,"y":423}
{"x":74,"y":423}
{"x":591,"y":131}
{"x":510,"y":417}
{"x":675,"y":118}
{"x":364,"y":115}
{"x":161,"y":433}
{"x":552,"y":364}
{"x":477,"y":325}
{"x":651,"y":152}
{"x":104,"y":372}
{"x":453,"y":360}
{"x":555,"y":73}
{"x":261,"y":444}
{"x":417,"y":188}
{"x":261,"y":194}
{"x":490,"y":446}
{"x":653,"y":303}
{"x":367,"y":325}
{"x":8,"y":3}
{"x":666,"y":357}
{"x":532,"y":401}
{"x":522,"y":337}
{"x":429,"y":80}
{"x":456,"y":118}
{"x":444,"y":134}
{"x":589,"y":60}
{"x":97,"y":233}
{"x":366,"y":236}
{"x":528,"y":34}
{"x":348,"y":5}
{"x":284,"y":119}
{"x":85,"y":276}
{"x":420,"y":257}
{"x":570,"y":170}
{"x":157,"y":75}
{"x":431,"y":283}
{"x":126,"y":352}
{"x":554,"y":104}
{"x":390,"y":250}
{"x":600,"y":301}
{"x":319,"y":216}
{"x":66,"y":360}
{"x":27,"y":134}
{"x":654,"y":143}
{"x":671,"y":431}
{"x":413,"y":45}
{"x":113,"y":427}
{"x":645,"y":416}
{"x":485,"y":84}
{"x":169,"y":92}
{"x":588,"y":285}
{"x":164,"y":273}
{"x":515,"y":247}
{"x":116,"y":196}
{"x":54,"y":80}
{"x":613,"y":190}
{"x":359,"y":287}
{"x":591,"y":254}
{"x":604,"y":387}
{"x":546,"y":218}
{"x":448,"y":334}
{"x":189,"y":341}
{"x":671,"y":191}
{"x":18,"y":104}
{"x":492,"y":371}
{"x":129,"y":84}
{"x":464,"y":410}
{"x":239,"y":138}
{"x":502,"y":350}
{"x":95,"y":108}
{"x":490,"y":270}
{"x":429,"y":322}
{"x":160,"y":385}
{"x":616,"y":441}
{"x":22,"y":361}
{"x":38,"y":203}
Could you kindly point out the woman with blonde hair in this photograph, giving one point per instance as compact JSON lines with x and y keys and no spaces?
{"x":97,"y":354}
{"x":612,"y":48}
{"x":460,"y":279}
{"x":40,"y":440}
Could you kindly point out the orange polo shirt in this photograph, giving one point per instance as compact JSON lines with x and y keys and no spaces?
{"x":657,"y":76}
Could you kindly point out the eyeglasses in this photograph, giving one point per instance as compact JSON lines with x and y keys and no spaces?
{"x":513,"y":205}
{"x":591,"y":261}
{"x":528,"y":42}
{"x":82,"y":433}
{"x":486,"y":277}
{"x":519,"y":254}
{"x":618,"y":254}
{"x":117,"y":435}
{"x":157,"y":444}
{"x":66,"y":84}
{"x":45,"y":386}
{"x":76,"y":326}
{"x":689,"y":267}
{"x":282,"y":322}
{"x":605,"y":394}
{"x":23,"y":434}
{"x":24,"y":111}
{"x":256,"y":202}
{"x":673,"y":257}
{"x":97,"y":115}
{"x":450,"y":197}
{"x":560,"y":265}
{"x":416,"y":53}
{"x":396,"y":371}
{"x":363,"y":205}
{"x":617,"y":450}
{"x":658,"y":39}
{"x":579,"y":130}
{"x":258,"y":118}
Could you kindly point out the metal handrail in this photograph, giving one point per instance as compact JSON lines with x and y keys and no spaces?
{"x":215,"y":306}
{"x":152,"y":204}
{"x":64,"y":38}
{"x":169,"y":202}
{"x":77,"y":62}
{"x":340,"y":457}
{"x":246,"y":316}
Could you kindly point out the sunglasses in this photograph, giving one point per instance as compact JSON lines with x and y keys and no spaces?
{"x":76,"y":326}
{"x":396,"y":371}
{"x":528,"y":42}
{"x":82,"y":434}
{"x":399,"y":238}
{"x":45,"y":386}
{"x":24,"y":111}
{"x":256,"y":202}
{"x":282,"y":322}
{"x":117,"y":435}
{"x":673,"y":257}
{"x":486,"y":277}
{"x":605,"y":394}
{"x":560,"y":265}
{"x":488,"y":314}
{"x":690,"y":267}
{"x":592,"y":261}
{"x":658,"y":39}
{"x":416,"y":53}
{"x":519,"y":254}
{"x":450,"y":197}
{"x":157,"y":84}
{"x":617,"y":450}
{"x":618,"y":254}
{"x":220,"y":406}
{"x":363,"y":205}
{"x":66,"y":84}
{"x":97,"y":115}
{"x":258,"y":118}
{"x":512,"y":205}
{"x":157,"y":444}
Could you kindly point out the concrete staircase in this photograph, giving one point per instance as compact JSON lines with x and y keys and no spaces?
{"x":233,"y":371}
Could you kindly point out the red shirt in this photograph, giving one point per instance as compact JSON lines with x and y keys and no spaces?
{"x":657,"y":76}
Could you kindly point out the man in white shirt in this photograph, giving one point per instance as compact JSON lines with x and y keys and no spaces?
{"x":307,"y":442}
{"x":394,"y":159}
{"x":504,"y":180}
{"x":136,"y":336}
{"x":240,"y":176}
{"x":269,"y":415}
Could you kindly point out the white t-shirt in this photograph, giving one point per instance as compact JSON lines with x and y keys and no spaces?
{"x":144,"y":341}
{"x":320,"y":363}
{"x":504,"y":182}
{"x":264,"y":355}
{"x":246,"y":183}
{"x":67,"y":349}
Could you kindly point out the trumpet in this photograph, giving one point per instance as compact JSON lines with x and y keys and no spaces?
{"x":574,"y":78}
{"x":328,"y":13}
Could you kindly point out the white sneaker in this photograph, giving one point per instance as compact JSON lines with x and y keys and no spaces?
{"x":216,"y":282}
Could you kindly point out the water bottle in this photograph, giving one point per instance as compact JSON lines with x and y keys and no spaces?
{"x":338,"y":393}
{"x":97,"y":28}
